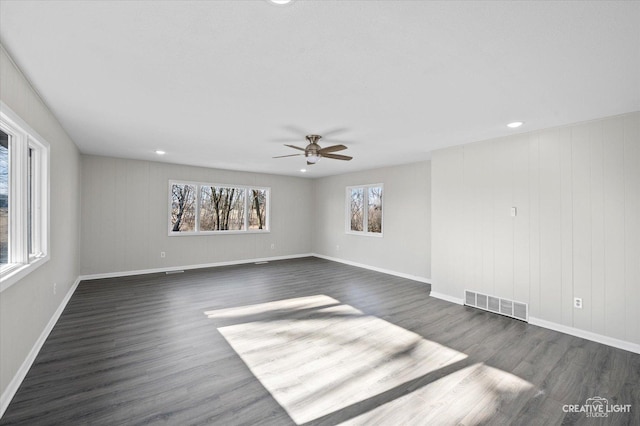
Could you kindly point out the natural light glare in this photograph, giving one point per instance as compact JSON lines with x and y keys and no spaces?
{"x":289,"y":305}
{"x":331,"y":357}
{"x":471,"y":393}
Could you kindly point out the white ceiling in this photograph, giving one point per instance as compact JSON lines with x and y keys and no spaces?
{"x":222,"y":83}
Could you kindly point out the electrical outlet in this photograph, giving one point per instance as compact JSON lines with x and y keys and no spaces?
{"x":577,"y":302}
{"x":337,"y":247}
{"x":273,"y":246}
{"x":163,"y":254}
{"x":54,"y":288}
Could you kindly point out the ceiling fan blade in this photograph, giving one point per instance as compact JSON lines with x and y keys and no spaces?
{"x":337,"y":157}
{"x":285,"y":139}
{"x":292,"y":155}
{"x":294,"y":147}
{"x":333,"y":132}
{"x":333,"y":148}
{"x":295,"y":130}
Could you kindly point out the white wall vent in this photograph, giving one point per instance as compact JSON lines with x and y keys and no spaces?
{"x":509,"y":308}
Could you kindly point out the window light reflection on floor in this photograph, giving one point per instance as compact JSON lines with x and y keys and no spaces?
{"x":317,"y":357}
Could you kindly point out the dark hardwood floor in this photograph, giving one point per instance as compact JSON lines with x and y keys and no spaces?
{"x":307,"y":341}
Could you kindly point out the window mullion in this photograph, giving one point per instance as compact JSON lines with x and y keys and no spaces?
{"x":18,"y":199}
{"x":196,"y":223}
{"x":38,"y":217}
{"x":365,"y":207}
{"x":246,"y":209}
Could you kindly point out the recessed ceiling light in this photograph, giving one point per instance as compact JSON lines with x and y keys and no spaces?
{"x":280,"y":1}
{"x":160,"y":152}
{"x":303,"y":170}
{"x":515,"y":124}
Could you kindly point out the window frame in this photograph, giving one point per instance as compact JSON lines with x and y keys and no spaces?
{"x":365,"y":213}
{"x":197,"y":231}
{"x":23,"y":215}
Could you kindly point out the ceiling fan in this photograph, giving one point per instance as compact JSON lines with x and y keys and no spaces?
{"x":313,"y":152}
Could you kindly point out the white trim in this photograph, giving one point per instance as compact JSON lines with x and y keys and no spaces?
{"x":375,"y":268}
{"x":446,"y":297}
{"x":365,"y":210}
{"x":14,"y":275}
{"x":198,"y":196}
{"x":15,"y":383}
{"x":187,"y":267}
{"x":599,"y":338}
{"x":23,"y":138}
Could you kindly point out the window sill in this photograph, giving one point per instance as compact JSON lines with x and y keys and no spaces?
{"x":365,"y":234}
{"x":16,"y":273}
{"x":195,"y":234}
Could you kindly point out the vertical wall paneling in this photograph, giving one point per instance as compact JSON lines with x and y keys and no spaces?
{"x":632,"y":225}
{"x":442,"y":173}
{"x":123,"y":199}
{"x":405,"y":246}
{"x":576,"y":233}
{"x":614,"y":208}
{"x":581,"y":177}
{"x":136,"y":215}
{"x":486,"y":221}
{"x":522,"y":222}
{"x":503,"y":223}
{"x":566,"y":227}
{"x":534,"y":224}
{"x":125,"y":218}
{"x":30,"y":305}
{"x":157,"y":200}
{"x":474,"y":170}
{"x":596,"y":183}
{"x":550,"y":227}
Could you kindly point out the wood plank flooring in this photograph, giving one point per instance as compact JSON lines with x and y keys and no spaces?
{"x":307,"y":341}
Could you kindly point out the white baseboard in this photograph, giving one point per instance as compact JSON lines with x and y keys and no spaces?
{"x":446,"y":297}
{"x":374,"y":268}
{"x":15,"y":383}
{"x":599,"y":338}
{"x":187,"y":267}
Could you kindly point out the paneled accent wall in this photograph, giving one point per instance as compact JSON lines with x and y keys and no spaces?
{"x":27,"y":307}
{"x":125,"y":217}
{"x":577,"y":229}
{"x":405,"y":245}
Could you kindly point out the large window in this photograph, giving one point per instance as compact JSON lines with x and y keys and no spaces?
{"x":24,"y":195}
{"x":364,"y":209}
{"x":203,"y":208}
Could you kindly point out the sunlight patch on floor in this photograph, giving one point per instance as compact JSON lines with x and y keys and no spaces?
{"x":297,"y":303}
{"x":331,"y":357}
{"x":470,"y":395}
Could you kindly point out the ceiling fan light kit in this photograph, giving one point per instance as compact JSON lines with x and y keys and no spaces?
{"x":314,"y":152}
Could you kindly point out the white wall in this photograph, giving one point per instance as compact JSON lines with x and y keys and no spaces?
{"x":125,"y":217}
{"x":405,"y":247}
{"x":29,"y":304}
{"x":577,"y":232}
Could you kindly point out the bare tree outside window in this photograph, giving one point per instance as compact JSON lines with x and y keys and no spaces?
{"x":183,"y":208}
{"x":357,"y":209}
{"x":221,"y":209}
{"x":365,"y":209}
{"x":258,"y":207}
{"x":210,"y":208}
{"x":374,"y":222}
{"x":4,"y":198}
